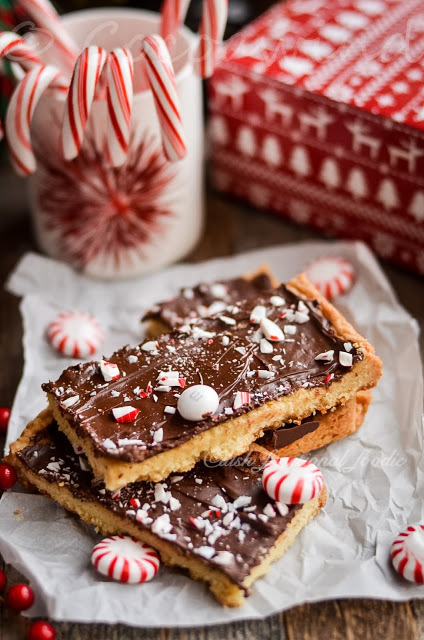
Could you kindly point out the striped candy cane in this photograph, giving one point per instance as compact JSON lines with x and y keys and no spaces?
{"x":173,"y":14}
{"x":17,"y":50}
{"x":45,"y":16}
{"x":120,"y":71}
{"x":162,"y":82}
{"x":211,"y":31}
{"x":21,"y":108}
{"x":80,"y":98}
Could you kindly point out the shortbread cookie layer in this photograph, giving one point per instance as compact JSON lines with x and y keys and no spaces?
{"x":274,"y":359}
{"x":216,"y":520}
{"x":318,"y":430}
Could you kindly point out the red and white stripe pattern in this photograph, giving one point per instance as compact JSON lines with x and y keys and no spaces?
{"x":82,"y":89}
{"x":240,"y":399}
{"x":173,"y":13}
{"x":19,"y":114}
{"x":75,"y":334}
{"x":211,"y":31}
{"x":331,"y":275}
{"x":17,"y":50}
{"x":120,"y":72}
{"x":407,"y":553}
{"x":162,"y":82}
{"x":45,"y":16}
{"x":125,"y":559}
{"x":292,"y":480}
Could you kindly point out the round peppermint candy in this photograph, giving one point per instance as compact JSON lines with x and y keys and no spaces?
{"x":198,"y":402}
{"x":75,"y":334}
{"x":407,"y":553}
{"x":331,"y":275}
{"x":292,"y":480}
{"x":125,"y":559}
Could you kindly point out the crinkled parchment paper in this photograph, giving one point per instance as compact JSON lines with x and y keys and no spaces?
{"x":374,"y":477}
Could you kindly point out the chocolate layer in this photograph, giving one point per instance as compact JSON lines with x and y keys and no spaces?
{"x":227,"y":352}
{"x":218,"y":512}
{"x":206,"y":298}
{"x":287,"y":434}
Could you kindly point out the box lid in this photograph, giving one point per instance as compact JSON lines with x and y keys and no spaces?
{"x":365,"y":53}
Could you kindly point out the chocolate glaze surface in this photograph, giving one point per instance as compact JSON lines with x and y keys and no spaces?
{"x":227,"y":351}
{"x":217,"y":512}
{"x":194,"y":302}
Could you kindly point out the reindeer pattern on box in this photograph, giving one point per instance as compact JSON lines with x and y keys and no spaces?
{"x":321,"y":106}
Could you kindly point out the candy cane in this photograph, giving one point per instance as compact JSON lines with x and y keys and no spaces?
{"x":21,"y":108}
{"x":173,"y":14}
{"x":120,"y":71}
{"x":17,"y":50}
{"x":80,"y":97}
{"x":162,"y":82}
{"x":45,"y":16}
{"x":211,"y":31}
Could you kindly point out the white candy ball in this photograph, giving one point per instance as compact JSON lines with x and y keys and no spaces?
{"x":198,"y":402}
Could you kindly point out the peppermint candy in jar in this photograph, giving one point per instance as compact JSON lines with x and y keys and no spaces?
{"x":292,"y":480}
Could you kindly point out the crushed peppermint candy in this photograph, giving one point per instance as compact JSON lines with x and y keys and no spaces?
{"x":109,"y":370}
{"x":132,"y":359}
{"x":241,"y":398}
{"x":205,"y":551}
{"x":158,"y":435}
{"x":70,"y":401}
{"x":345,"y":359}
{"x":290,"y":329}
{"x":169,"y":409}
{"x":271,"y":330}
{"x":125,"y":414}
{"x":162,"y":525}
{"x":109,"y":444}
{"x":257,"y":314}
{"x":265,"y":346}
{"x":218,"y":290}
{"x":277,"y":301}
{"x":327,"y":356}
{"x":225,"y":341}
{"x":151,"y":346}
{"x":227,"y":320}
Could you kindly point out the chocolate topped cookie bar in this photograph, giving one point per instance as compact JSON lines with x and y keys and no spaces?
{"x":276,"y":358}
{"x":204,"y":299}
{"x":217,"y":521}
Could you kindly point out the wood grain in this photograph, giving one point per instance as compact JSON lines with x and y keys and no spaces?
{"x":230,"y":228}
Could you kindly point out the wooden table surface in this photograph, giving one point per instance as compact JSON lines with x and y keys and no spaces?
{"x":230,"y":228}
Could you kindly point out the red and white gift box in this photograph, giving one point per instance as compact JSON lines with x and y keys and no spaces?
{"x":317,"y":114}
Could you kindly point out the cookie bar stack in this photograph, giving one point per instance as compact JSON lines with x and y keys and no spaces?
{"x":136,"y":444}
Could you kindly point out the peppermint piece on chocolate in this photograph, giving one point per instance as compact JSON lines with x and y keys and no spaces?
{"x":158,"y":435}
{"x":327,"y":356}
{"x":265,"y":346}
{"x":225,"y":341}
{"x":227,"y":320}
{"x":151,"y":346}
{"x":257,"y":314}
{"x":271,"y":330}
{"x":125,"y":414}
{"x":241,"y":398}
{"x":70,"y":401}
{"x":277,"y":301}
{"x":170,"y":410}
{"x":132,"y":359}
{"x":265,"y":374}
{"x":300,"y":317}
{"x":109,"y":370}
{"x":205,"y":551}
{"x":290,"y":329}
{"x":162,"y":525}
{"x":345,"y":359}
{"x":348,"y":346}
{"x":109,"y":444}
{"x":218,"y":290}
{"x":198,"y":402}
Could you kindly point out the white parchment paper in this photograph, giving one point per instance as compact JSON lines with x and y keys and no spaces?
{"x":374,"y":477}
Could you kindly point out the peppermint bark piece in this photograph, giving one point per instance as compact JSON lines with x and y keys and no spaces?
{"x":263,"y":359}
{"x":216,"y":521}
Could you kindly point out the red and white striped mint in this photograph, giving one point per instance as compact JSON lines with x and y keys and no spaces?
{"x":331,"y":275}
{"x":292,"y":480}
{"x":75,"y":334}
{"x":109,"y":370}
{"x":125,"y":559}
{"x":407,"y":553}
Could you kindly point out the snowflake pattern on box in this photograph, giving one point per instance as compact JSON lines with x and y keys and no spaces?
{"x":327,"y":117}
{"x":98,"y":211}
